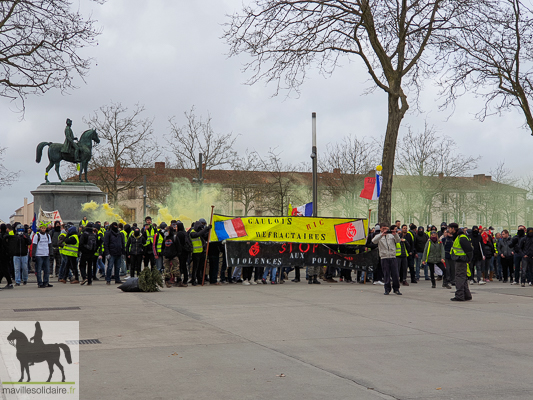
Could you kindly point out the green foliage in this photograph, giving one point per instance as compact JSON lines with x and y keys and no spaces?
{"x":150,"y":279}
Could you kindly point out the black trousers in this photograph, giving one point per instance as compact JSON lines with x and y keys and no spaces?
{"x":4,"y":271}
{"x":72,"y":265}
{"x":135,"y":264}
{"x":390,"y":271}
{"x":198,"y":260}
{"x":183,"y":257}
{"x":346,"y":274}
{"x":432,"y":272}
{"x":86,"y":266}
{"x":258,"y":273}
{"x":213,"y":268}
{"x":462,"y":291}
{"x":247,"y":273}
{"x":402,"y":268}
{"x":507,"y":266}
{"x":297,"y":273}
{"x":149,"y":258}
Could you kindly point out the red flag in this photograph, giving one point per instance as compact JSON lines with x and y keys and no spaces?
{"x":350,"y":232}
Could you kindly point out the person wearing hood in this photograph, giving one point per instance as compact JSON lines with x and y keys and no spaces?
{"x":517,"y":254}
{"x":114,"y":247}
{"x":506,"y":255}
{"x":462,"y":254}
{"x":4,"y":258}
{"x":434,"y":256}
{"x":88,"y":247}
{"x":134,"y":251}
{"x":199,"y":235}
{"x":170,"y":251}
{"x":186,"y":251}
{"x":41,"y":245}
{"x":478,"y":260}
{"x":526,"y":247}
{"x":420,"y":241}
{"x":71,"y":251}
{"x":55,"y":257}
{"x":386,"y":241}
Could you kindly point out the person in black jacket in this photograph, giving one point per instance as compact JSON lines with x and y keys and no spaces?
{"x":170,"y":251}
{"x":403,"y":262}
{"x":114,"y":247}
{"x":377,"y":274}
{"x":186,"y":250}
{"x":72,"y":260}
{"x":89,"y":245}
{"x":420,"y":243}
{"x":447,"y":241}
{"x":4,"y":258}
{"x":478,"y":260}
{"x":517,"y":253}
{"x":526,"y":247}
{"x":461,"y":255}
{"x":199,"y":232}
{"x":55,"y":256}
{"x":17,"y":246}
{"x":135,"y":250}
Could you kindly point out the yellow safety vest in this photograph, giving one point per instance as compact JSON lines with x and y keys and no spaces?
{"x":71,"y":250}
{"x":84,"y":223}
{"x":197,"y":245}
{"x":159,"y":244}
{"x":61,"y":248}
{"x":456,"y":247}
{"x":149,"y":237}
{"x":398,"y":249}
{"x":100,"y":236}
{"x":495,"y":249}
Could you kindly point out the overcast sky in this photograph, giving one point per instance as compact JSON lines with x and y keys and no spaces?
{"x":169,"y":55}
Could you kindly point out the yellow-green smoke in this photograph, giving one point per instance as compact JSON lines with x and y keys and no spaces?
{"x":101,"y":212}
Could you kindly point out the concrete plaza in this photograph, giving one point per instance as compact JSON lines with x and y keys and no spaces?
{"x":294,"y":341}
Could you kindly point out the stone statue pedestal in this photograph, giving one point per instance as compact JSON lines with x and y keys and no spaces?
{"x":67,"y":198}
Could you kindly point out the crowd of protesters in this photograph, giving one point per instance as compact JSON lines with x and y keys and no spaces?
{"x":86,"y":252}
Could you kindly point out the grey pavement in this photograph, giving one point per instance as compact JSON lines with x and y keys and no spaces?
{"x":294,"y":341}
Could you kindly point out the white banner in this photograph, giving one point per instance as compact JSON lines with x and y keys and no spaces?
{"x":49,"y":216}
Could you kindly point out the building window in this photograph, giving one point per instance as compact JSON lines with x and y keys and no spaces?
{"x":445,"y":217}
{"x":461,"y":198}
{"x":512,"y":219}
{"x":373,"y":218}
{"x":130,"y":215}
{"x":497,"y":219}
{"x":512,"y":200}
{"x":237,"y":195}
{"x":445,"y":198}
{"x":132,"y":193}
{"x":479,"y":198}
{"x":480,"y":219}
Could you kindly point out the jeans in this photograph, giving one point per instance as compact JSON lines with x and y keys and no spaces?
{"x":21,"y":268}
{"x":123,"y":268}
{"x":42,"y":264}
{"x":272,"y":271}
{"x":159,"y":264}
{"x":480,"y":268}
{"x":418,"y":262}
{"x":237,"y":273}
{"x":114,"y":262}
{"x":62,"y":269}
{"x":100,"y":266}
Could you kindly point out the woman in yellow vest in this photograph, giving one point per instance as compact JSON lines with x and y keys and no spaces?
{"x":70,"y":250}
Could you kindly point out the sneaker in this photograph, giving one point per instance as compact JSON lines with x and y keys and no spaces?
{"x":246,"y":283}
{"x":482,"y":282}
{"x":17,"y":284}
{"x":405,"y":283}
{"x":433,"y":286}
{"x":386,"y":293}
{"x":397,"y":292}
{"x":258,"y":281}
{"x":273,"y":283}
{"x":84,"y":282}
{"x":8,"y":286}
{"x":253,"y":282}
{"x":264,"y":281}
{"x":523,"y":285}
{"x":530,"y":284}
{"x":381,"y":283}
{"x":514,"y":283}
{"x":295,"y":280}
{"x":331,"y":280}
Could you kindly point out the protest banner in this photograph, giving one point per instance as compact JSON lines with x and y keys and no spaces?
{"x":323,"y":230}
{"x":251,"y":253}
{"x":49,"y":216}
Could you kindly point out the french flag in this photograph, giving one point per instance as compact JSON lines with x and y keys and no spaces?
{"x":230,"y":229}
{"x":303,"y":211}
{"x":34,"y":223}
{"x":372,"y":188}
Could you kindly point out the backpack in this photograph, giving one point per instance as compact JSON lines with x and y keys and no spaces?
{"x":90,"y":246}
{"x":187,"y":246}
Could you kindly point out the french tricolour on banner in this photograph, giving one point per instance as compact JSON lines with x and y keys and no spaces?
{"x":232,"y":228}
{"x":372,"y":188}
{"x":303,"y":211}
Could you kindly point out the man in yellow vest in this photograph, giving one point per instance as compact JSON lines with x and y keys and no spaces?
{"x":462,"y":253}
{"x":70,"y":250}
{"x":198,"y":235}
{"x":148,"y":232}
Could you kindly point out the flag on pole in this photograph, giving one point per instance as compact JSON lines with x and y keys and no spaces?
{"x":34,"y":223}
{"x":303,"y":211}
{"x":230,"y":229}
{"x":372,"y":188}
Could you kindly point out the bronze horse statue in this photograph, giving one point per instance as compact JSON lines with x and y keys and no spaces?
{"x":55,"y":156}
{"x":30,"y":353}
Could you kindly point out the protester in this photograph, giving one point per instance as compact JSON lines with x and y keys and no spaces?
{"x":386,"y":241}
{"x":114,"y":247}
{"x":506,"y":255}
{"x":41,"y":246}
{"x":134,"y":251}
{"x":434,"y":257}
{"x":71,"y":251}
{"x":462,"y":254}
{"x":170,"y":252}
{"x":420,"y":243}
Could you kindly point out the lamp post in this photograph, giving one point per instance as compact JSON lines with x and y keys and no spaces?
{"x":314,"y":160}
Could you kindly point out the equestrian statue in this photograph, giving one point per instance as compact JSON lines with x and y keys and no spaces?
{"x":72,"y":150}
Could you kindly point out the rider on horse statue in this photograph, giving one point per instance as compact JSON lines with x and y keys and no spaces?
{"x":70,"y":146}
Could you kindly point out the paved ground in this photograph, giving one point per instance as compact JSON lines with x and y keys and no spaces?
{"x":333,"y":341}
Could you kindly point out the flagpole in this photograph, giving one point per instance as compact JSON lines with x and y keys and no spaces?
{"x":314,"y":158}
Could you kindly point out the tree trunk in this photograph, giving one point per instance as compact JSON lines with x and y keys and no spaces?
{"x":395,"y":117}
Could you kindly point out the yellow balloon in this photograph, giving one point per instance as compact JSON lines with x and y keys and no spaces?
{"x":379,"y":168}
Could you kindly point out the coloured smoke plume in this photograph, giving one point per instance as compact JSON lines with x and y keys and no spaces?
{"x":188,"y":203}
{"x":101,"y":212}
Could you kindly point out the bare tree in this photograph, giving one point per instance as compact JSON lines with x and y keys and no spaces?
{"x":344,"y":167}
{"x":428,"y":161}
{"x":128,"y":146}
{"x":247,"y":184}
{"x":40,"y":46}
{"x":287,"y":37}
{"x":197,"y":136}
{"x":491,"y":55}
{"x":7,"y":177}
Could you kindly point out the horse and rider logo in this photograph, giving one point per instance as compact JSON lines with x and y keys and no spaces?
{"x":33,"y":351}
